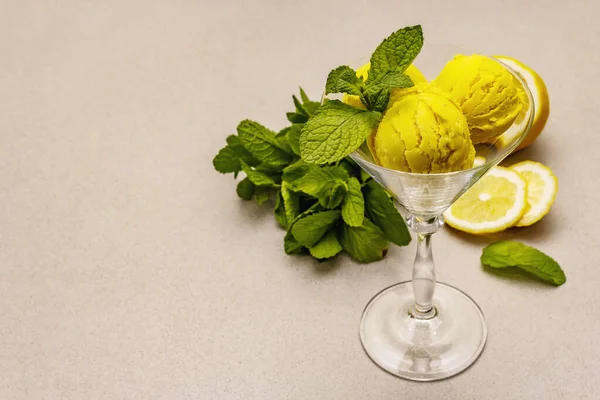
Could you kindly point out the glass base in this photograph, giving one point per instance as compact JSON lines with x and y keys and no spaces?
{"x":417,"y":349}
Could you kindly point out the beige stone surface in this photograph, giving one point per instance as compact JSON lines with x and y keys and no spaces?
{"x":129,"y":269}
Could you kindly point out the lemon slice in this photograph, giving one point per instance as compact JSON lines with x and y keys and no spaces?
{"x":541,"y":101}
{"x":493,"y":204}
{"x":542,"y":186}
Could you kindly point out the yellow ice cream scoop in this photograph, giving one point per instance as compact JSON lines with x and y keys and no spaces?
{"x":486,"y":92}
{"x":424,"y":133}
{"x":363,"y":72}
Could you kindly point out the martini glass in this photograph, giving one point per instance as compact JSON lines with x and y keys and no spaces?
{"x":424,"y":330}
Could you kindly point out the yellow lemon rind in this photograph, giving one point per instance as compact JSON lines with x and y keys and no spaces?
{"x":550,"y":190}
{"x":541,"y":99}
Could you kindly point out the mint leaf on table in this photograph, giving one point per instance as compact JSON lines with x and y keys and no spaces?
{"x":381,"y":210}
{"x":507,"y":253}
{"x":334,"y":131}
{"x":262,"y":143}
{"x":344,"y":80}
{"x":353,"y":205}
{"x":327,"y":247}
{"x":308,"y":230}
{"x":364,"y":243}
{"x":245,"y":189}
{"x":258,"y":178}
{"x":396,"y":52}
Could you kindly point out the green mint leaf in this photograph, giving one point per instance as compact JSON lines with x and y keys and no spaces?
{"x":262,"y":194}
{"x":291,"y":245}
{"x":279,"y":211}
{"x":327,"y":247}
{"x":349,"y":166}
{"x":364,"y":176}
{"x":311,"y":107}
{"x":245,"y":189}
{"x":293,"y":137}
{"x":334,"y":131}
{"x":378,"y":91}
{"x":228,"y":158}
{"x":299,"y":107}
{"x":343,"y":80}
{"x":327,"y":184}
{"x":283,"y":132}
{"x":336,"y":195}
{"x":308,"y":230}
{"x":291,"y":202}
{"x":284,"y":143}
{"x":381,"y":210}
{"x":226,"y":161}
{"x":262,"y":143}
{"x":507,"y":253}
{"x":296,"y":118}
{"x":364,"y":243}
{"x":381,"y":100}
{"x":353,"y":206}
{"x":315,"y":208}
{"x":295,"y":172}
{"x":258,"y":178}
{"x":389,"y":80}
{"x":303,"y":96}
{"x":396,"y":52}
{"x":269,"y":169}
{"x":236,"y":144}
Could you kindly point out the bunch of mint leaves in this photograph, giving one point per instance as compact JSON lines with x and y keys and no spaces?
{"x":324,"y":209}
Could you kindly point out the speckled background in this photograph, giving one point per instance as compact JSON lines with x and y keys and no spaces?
{"x":129,"y":269}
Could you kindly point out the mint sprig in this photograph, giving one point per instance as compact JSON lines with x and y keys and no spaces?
{"x":337,"y":129}
{"x":325,"y":209}
{"x":344,"y":80}
{"x":509,"y":254}
{"x":396,"y":52}
{"x":334,"y":131}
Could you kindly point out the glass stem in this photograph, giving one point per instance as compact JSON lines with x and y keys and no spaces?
{"x":423,"y":276}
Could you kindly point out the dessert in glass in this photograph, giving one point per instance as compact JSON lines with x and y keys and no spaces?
{"x":436,"y":139}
